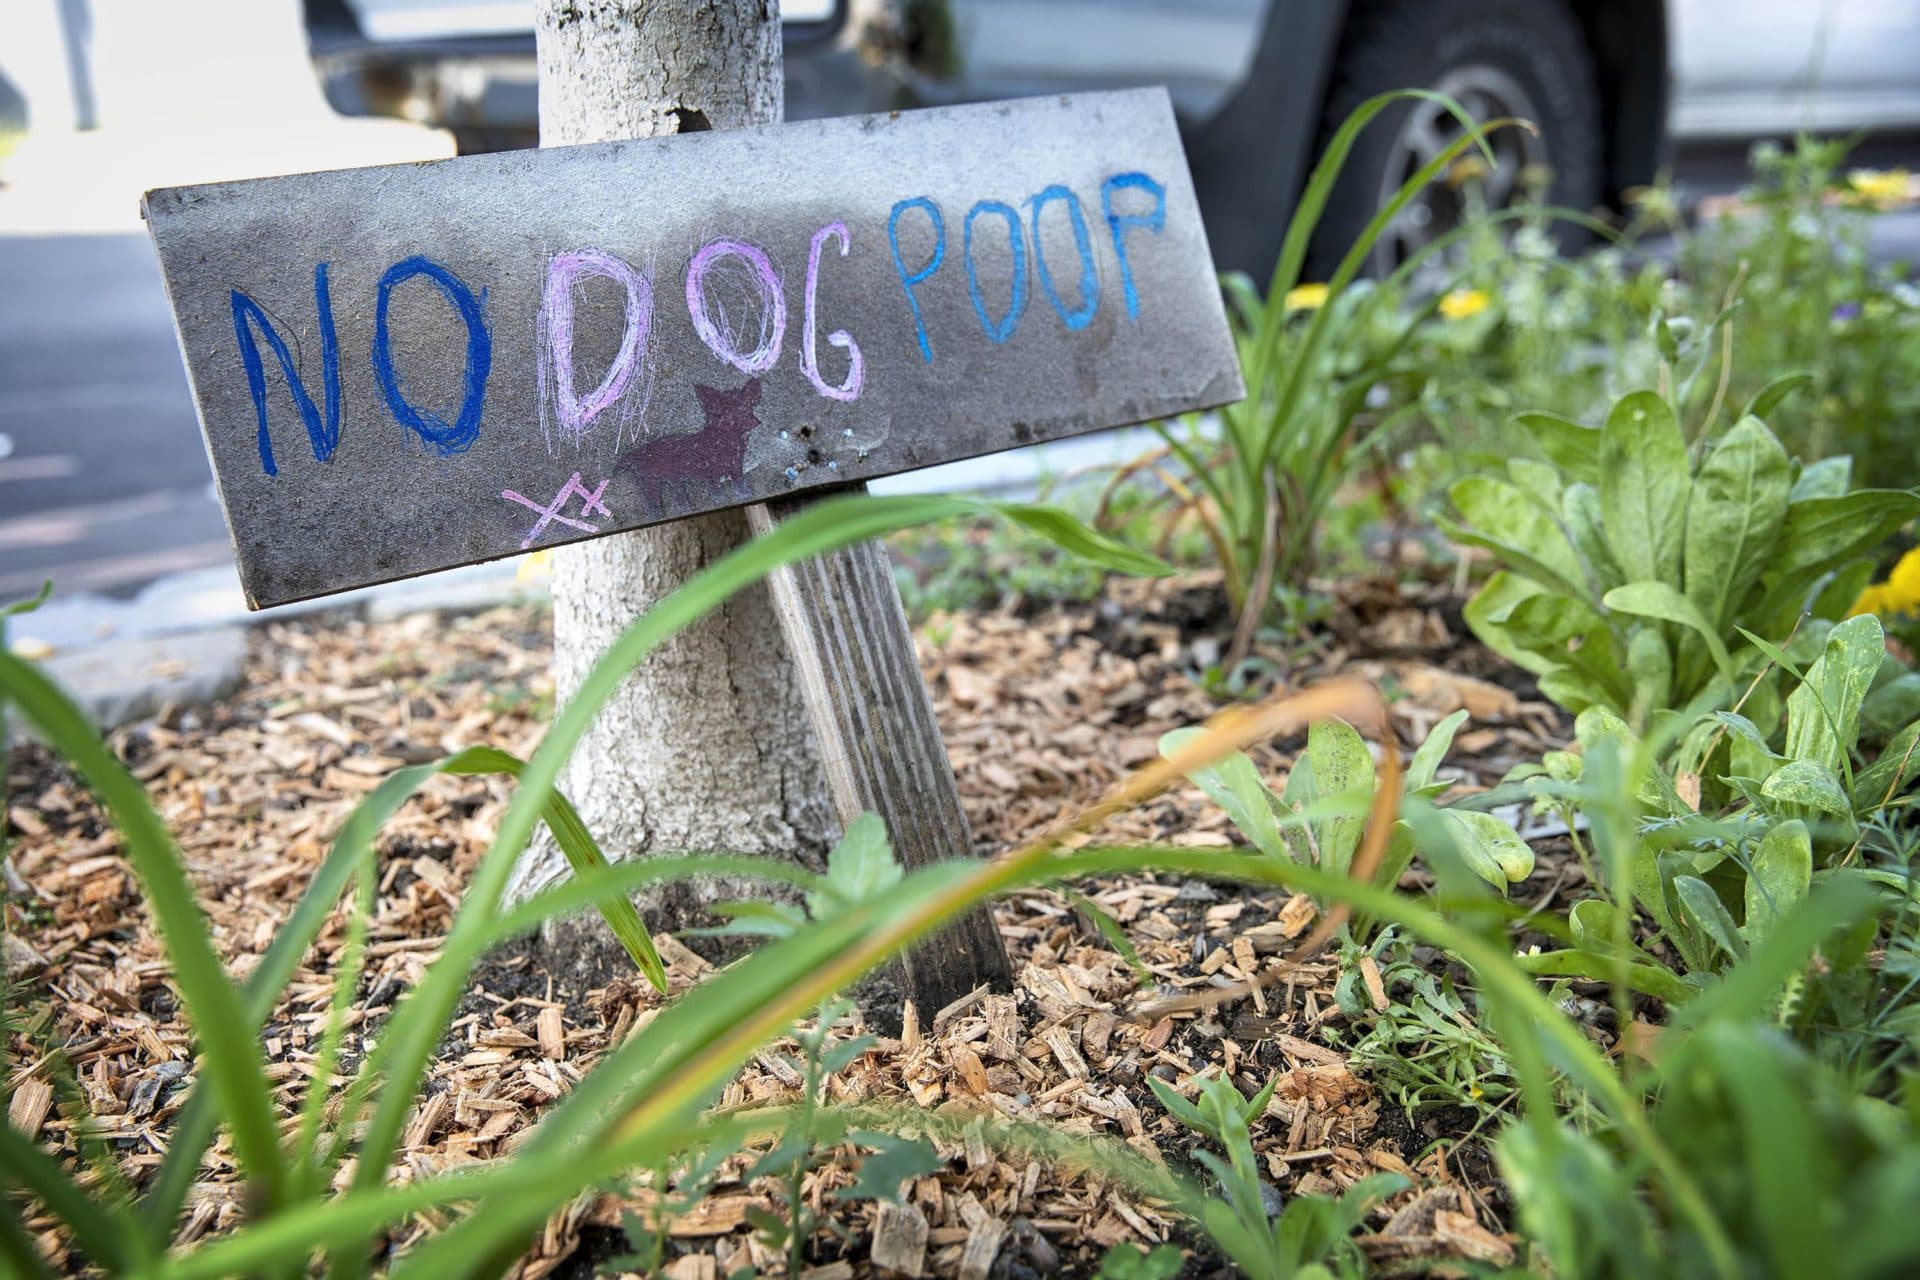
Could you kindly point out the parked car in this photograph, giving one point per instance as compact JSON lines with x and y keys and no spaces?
{"x":1258,"y":84}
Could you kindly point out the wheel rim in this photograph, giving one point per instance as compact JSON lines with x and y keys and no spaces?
{"x":1486,"y":93}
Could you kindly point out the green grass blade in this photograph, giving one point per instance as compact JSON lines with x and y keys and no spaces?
{"x":403,"y":1052}
{"x":1748,"y":989}
{"x":352,"y":847}
{"x":592,"y":887}
{"x":1319,"y":326}
{"x":645,"y":1099}
{"x":582,"y":854}
{"x":17,"y":1249}
{"x":103,"y":1230}
{"x":346,"y":981}
{"x":234,"y":1065}
{"x":1319,"y":189}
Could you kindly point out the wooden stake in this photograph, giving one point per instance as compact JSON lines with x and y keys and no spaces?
{"x":878,"y":740}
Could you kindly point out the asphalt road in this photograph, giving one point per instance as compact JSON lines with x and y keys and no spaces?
{"x":104,"y":484}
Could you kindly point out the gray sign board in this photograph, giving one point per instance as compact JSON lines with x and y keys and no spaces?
{"x":412,"y":367}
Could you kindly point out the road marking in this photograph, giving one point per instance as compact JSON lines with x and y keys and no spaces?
{"x":100,"y":575}
{"x":48,"y":466}
{"x":62,"y":525}
{"x":112,"y":395}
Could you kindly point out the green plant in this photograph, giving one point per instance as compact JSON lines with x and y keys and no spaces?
{"x":648,"y":1104}
{"x":641,"y":1109}
{"x":1309,"y":1236}
{"x":1426,"y":1048}
{"x":1781,"y":277}
{"x":1799,"y":240}
{"x":1330,"y":378}
{"x":8,"y":612}
{"x":1318,"y":817}
{"x":1630,"y":565}
{"x":973,"y":564}
{"x":1804,"y":1177}
{"x":1124,"y":1262}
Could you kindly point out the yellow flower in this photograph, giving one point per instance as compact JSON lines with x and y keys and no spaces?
{"x":31,"y":648}
{"x":537,"y":564}
{"x":1468,"y":168}
{"x":1903,"y":584}
{"x":1306,"y":297}
{"x":1872,"y":599}
{"x":1881,"y":188}
{"x":1462,"y":303}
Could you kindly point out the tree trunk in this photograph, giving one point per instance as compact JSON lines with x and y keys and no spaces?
{"x":707,"y":747}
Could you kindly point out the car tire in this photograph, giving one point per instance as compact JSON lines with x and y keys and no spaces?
{"x":1527,"y":58}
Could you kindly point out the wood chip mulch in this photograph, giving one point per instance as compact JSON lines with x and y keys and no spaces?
{"x":1043,"y":710}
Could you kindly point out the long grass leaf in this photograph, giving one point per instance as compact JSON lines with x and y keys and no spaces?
{"x":352,"y":848}
{"x":101,"y":1228}
{"x":402,"y":1054}
{"x":234,"y":1064}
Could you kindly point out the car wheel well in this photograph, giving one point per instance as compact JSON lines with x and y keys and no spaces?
{"x":1629,"y":43}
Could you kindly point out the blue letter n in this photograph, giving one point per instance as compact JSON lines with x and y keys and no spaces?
{"x":249,"y":318}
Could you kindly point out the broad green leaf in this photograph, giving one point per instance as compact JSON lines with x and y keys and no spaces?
{"x":1566,"y":631}
{"x":1840,"y":587}
{"x":1538,"y":479}
{"x":1821,"y":532}
{"x":1888,"y":776}
{"x":1749,"y":755}
{"x":1658,"y":600}
{"x":1127,"y":1262}
{"x":1586,"y":527}
{"x":858,"y":868}
{"x":1494,"y":850}
{"x":1577,"y":691}
{"x":1779,"y":878}
{"x":1513,"y":524}
{"x":1643,"y":487}
{"x":1650,"y":665}
{"x":1600,"y":966}
{"x":1827,"y":478}
{"x":1426,"y":759}
{"x":1593,"y":921}
{"x":1342,"y":766}
{"x":893,"y":1160}
{"x":1768,"y":398}
{"x":1572,"y":447}
{"x":1892,"y":704}
{"x":1079,"y":539}
{"x":1395,"y":861}
{"x":1489,"y":616}
{"x":1810,"y":785}
{"x":1708,"y":914}
{"x":1823,"y":714}
{"x":1734,"y":514}
{"x":1235,"y":785}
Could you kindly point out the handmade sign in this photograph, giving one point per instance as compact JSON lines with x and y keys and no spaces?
{"x":407,"y":368}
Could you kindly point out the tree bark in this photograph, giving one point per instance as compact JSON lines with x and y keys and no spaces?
{"x":707,"y":747}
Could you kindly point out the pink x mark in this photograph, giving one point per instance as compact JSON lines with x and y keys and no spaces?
{"x":589,"y":503}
